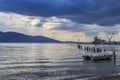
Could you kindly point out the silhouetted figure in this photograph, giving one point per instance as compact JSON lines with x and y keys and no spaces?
{"x":94,"y":50}
{"x":104,"y":50}
{"x":89,"y":49}
{"x":100,"y":50}
{"x":97,"y":50}
{"x":78,"y":46}
{"x":114,"y":56}
{"x":85,"y":48}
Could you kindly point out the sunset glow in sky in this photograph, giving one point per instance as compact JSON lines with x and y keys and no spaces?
{"x":62,"y":19}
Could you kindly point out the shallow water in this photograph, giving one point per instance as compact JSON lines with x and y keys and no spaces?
{"x":29,"y":61}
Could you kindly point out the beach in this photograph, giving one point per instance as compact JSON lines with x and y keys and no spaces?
{"x":106,"y":77}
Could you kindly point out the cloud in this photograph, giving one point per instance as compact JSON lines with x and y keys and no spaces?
{"x":105,"y":36}
{"x":100,"y":12}
{"x":53,"y":27}
{"x":27,"y":25}
{"x":15,"y":22}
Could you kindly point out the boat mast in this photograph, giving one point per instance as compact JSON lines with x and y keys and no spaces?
{"x":110,"y":38}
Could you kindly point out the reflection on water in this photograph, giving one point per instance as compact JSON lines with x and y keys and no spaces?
{"x":50,"y":61}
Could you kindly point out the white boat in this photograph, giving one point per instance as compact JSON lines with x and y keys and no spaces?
{"x":98,"y":56}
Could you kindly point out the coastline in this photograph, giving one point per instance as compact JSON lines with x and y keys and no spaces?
{"x":115,"y":76}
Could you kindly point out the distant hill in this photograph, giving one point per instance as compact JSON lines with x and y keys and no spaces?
{"x":14,"y":37}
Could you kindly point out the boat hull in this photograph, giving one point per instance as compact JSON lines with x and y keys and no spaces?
{"x":98,"y":56}
{"x":102,"y":57}
{"x":86,"y":57}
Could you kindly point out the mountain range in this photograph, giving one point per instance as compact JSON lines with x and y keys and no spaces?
{"x":14,"y":37}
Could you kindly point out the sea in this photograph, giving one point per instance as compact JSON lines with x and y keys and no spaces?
{"x":52,"y":61}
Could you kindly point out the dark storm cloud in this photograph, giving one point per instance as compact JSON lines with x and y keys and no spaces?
{"x":101,"y":12}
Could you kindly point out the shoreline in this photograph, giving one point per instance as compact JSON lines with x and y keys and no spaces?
{"x":115,"y":76}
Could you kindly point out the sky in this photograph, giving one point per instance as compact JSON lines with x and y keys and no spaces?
{"x":65,"y":20}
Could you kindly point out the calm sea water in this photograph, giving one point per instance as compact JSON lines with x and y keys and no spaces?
{"x":51,"y":62}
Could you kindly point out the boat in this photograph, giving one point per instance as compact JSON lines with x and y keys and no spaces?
{"x":96,"y":53}
{"x":99,"y":56}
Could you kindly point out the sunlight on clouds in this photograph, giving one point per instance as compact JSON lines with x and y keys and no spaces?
{"x":15,"y":20}
{"x":102,"y":35}
{"x":54,"y":27}
{"x":54,"y":23}
{"x":17,"y":23}
{"x":49,"y":25}
{"x":67,"y":35}
{"x":34,"y":22}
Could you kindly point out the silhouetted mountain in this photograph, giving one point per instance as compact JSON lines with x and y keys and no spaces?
{"x":18,"y":37}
